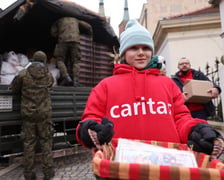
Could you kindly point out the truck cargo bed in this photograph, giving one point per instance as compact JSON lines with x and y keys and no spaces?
{"x":68,"y":104}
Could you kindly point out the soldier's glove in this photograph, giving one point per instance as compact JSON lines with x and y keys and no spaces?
{"x":104,"y":131}
{"x":202,"y":138}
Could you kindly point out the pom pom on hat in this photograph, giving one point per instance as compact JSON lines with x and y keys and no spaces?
{"x":40,"y":56}
{"x":162,"y":60}
{"x":135,"y":34}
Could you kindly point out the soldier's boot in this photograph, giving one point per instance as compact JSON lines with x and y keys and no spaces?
{"x":66,"y":81}
{"x":49,"y":174}
{"x":30,"y":176}
{"x":76,"y":84}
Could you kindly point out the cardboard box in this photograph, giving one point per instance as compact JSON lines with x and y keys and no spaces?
{"x":197,"y":91}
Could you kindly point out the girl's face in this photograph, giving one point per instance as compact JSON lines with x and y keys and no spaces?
{"x":138,"y":56}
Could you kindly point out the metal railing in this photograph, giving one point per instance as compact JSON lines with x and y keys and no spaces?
{"x":212,"y":72}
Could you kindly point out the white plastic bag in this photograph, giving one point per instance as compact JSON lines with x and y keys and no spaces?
{"x":12,"y":58}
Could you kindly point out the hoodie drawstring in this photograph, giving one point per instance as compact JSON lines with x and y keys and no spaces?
{"x":145,"y":94}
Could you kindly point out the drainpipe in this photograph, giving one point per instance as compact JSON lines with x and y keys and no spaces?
{"x":221,"y":69}
{"x":221,"y":9}
{"x":220,"y":4}
{"x":221,"y":72}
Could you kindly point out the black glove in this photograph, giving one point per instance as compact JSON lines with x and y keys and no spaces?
{"x":201,"y":137}
{"x":104,"y":131}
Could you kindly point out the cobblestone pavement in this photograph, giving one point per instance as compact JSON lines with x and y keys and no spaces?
{"x":73,"y":167}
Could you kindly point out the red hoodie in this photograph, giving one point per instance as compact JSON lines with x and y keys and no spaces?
{"x":142,"y":105}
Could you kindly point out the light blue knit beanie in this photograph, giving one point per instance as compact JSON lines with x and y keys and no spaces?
{"x":135,"y":34}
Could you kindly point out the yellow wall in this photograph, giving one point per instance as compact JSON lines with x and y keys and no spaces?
{"x":158,"y":9}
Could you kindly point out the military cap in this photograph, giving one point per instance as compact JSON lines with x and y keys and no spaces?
{"x":40,"y":56}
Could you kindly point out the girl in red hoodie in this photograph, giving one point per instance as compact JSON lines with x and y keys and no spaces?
{"x":138,"y":103}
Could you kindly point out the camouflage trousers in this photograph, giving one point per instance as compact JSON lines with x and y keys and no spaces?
{"x":31,"y":133}
{"x":68,"y":54}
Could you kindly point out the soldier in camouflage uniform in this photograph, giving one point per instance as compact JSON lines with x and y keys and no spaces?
{"x":67,"y":32}
{"x":33,"y":84}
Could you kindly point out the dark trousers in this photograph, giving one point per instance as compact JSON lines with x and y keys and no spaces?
{"x":202,"y":114}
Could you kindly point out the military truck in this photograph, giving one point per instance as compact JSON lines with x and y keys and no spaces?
{"x":24,"y":26}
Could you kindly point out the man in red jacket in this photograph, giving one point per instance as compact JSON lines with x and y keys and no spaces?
{"x":140,"y":103}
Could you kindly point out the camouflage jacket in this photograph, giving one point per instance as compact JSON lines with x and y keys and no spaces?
{"x":33,"y":84}
{"x":66,"y":29}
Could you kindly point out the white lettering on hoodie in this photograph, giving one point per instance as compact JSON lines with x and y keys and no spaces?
{"x":143,"y":107}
